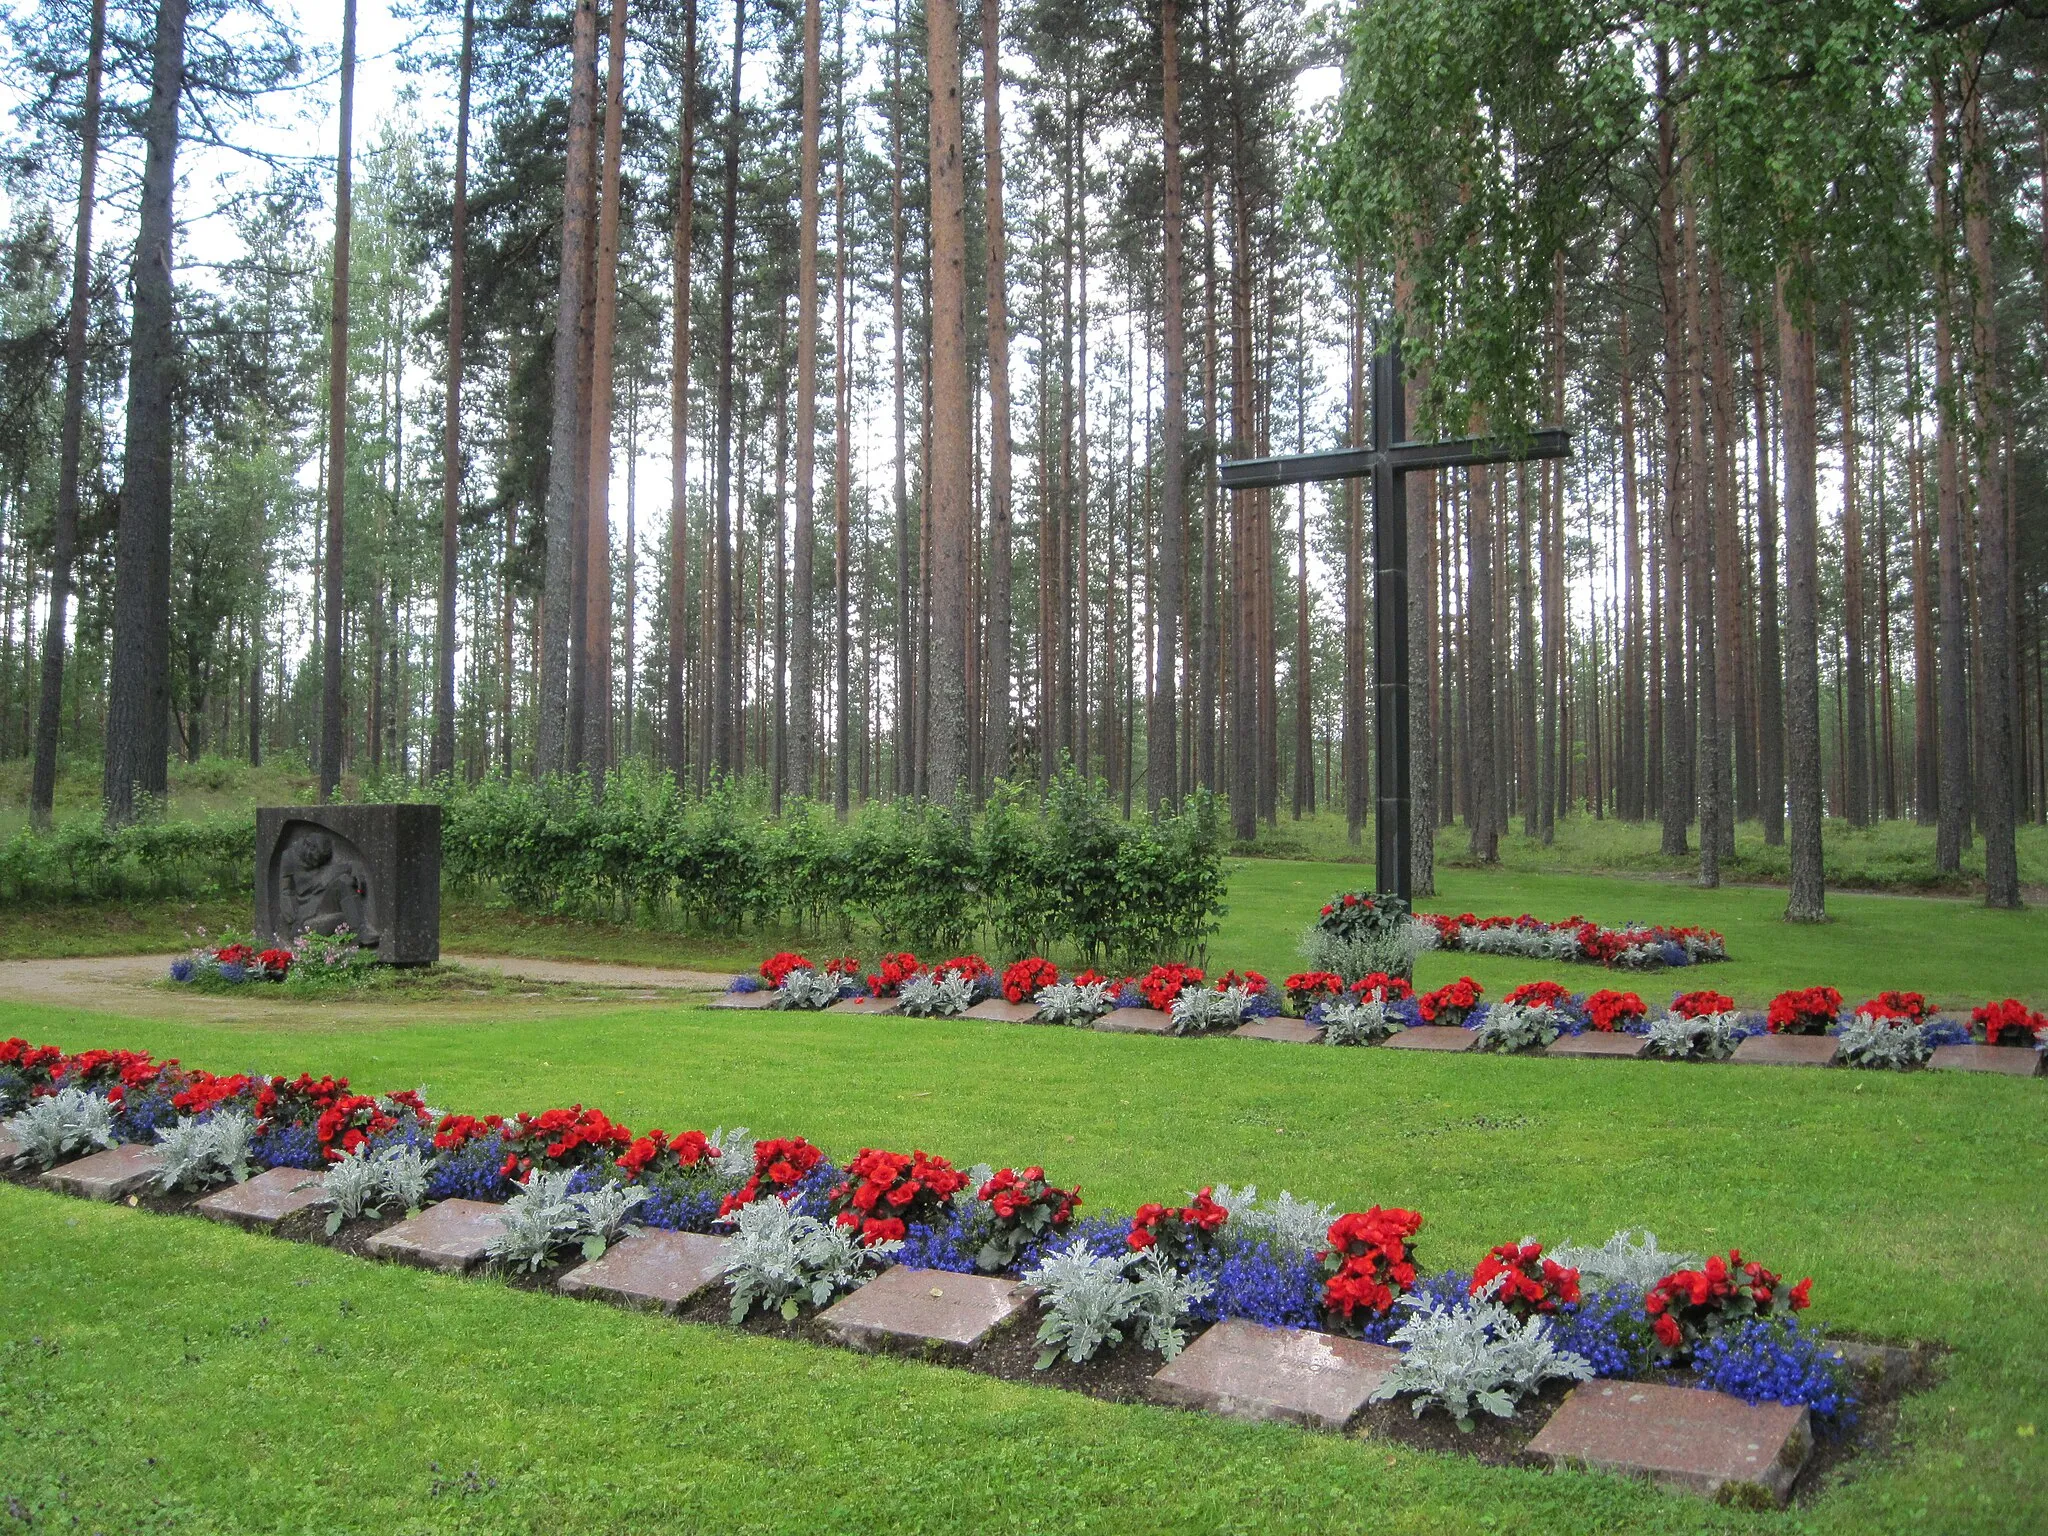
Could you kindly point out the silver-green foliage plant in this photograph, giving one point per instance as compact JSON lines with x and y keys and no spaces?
{"x":806,"y":989}
{"x":363,"y":1183}
{"x":1868,"y":1042}
{"x":1199,"y":1009}
{"x":780,"y":1258}
{"x":927,"y":996}
{"x":1090,"y":1300}
{"x":1627,"y":1258}
{"x":544,"y":1218}
{"x":1393,"y":952}
{"x":1524,"y":943}
{"x":1710,"y":1037}
{"x":58,"y":1124}
{"x":1073,"y":1002}
{"x":1349,"y":1023}
{"x":1476,"y":1354}
{"x":210,"y":1151}
{"x":1287,"y":1225}
{"x":1517,"y":1027}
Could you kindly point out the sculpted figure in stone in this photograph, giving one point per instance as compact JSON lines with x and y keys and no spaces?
{"x":322,"y":890}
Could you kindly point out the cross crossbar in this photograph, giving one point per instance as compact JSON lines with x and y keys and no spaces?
{"x":1388,"y":461}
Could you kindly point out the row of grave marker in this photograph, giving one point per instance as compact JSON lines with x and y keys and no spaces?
{"x":1764,"y":1050}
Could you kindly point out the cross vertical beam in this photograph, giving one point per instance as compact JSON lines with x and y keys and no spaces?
{"x":1393,"y":821}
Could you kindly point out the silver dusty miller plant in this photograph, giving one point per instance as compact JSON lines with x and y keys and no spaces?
{"x":1524,"y":943}
{"x":1627,"y":1258}
{"x":201,"y":1152}
{"x":1710,"y":1037}
{"x":1868,"y":1042}
{"x":1200,"y":1009}
{"x":363,"y":1183}
{"x":544,"y":1218}
{"x":1349,"y":1023}
{"x":1287,"y":1225}
{"x":59,"y":1124}
{"x":1393,"y":953}
{"x":806,"y":989}
{"x":1475,"y":1354}
{"x":926,"y":996}
{"x":1074,"y":1002}
{"x":1517,"y":1027}
{"x":780,"y":1258}
{"x":1090,"y":1300}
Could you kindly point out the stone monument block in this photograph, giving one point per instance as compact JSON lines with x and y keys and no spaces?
{"x":373,"y":869}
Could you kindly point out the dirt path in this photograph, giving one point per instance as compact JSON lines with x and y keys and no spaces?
{"x":132,"y":985}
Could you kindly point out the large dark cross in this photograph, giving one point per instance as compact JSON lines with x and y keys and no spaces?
{"x":1389,"y":459}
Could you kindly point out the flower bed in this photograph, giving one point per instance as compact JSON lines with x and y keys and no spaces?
{"x":1633,"y":947}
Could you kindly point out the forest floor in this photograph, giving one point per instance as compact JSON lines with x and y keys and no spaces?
{"x":161,"y":1373}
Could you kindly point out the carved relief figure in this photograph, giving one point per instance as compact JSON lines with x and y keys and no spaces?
{"x":322,"y":888}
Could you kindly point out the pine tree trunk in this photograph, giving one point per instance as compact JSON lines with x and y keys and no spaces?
{"x":1856,"y":724}
{"x":677,"y":712}
{"x":442,"y":760}
{"x":948,"y":494}
{"x":1807,"y":900}
{"x":1207,"y":692}
{"x":1162,"y":728}
{"x":1483,"y":775}
{"x":842,"y":464}
{"x":1245,"y":739}
{"x":332,"y":722}
{"x":1735,"y":790}
{"x":1952,"y":828}
{"x":802,"y":679}
{"x":1629,"y":796}
{"x":1770,"y":664}
{"x":597,"y":705}
{"x":64,"y":536}
{"x":1355,"y":673}
{"x":1673,"y":797}
{"x":724,"y":693}
{"x":905,"y":714}
{"x":1700,"y":555}
{"x":1535,"y":778}
{"x":996,"y":724}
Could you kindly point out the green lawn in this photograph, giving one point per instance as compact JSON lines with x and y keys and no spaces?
{"x":159,"y":1374}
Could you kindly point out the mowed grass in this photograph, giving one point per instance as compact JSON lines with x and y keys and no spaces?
{"x":159,"y":1374}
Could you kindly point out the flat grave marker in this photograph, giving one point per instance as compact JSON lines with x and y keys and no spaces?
{"x":873,"y":1007}
{"x":1003,"y":1011}
{"x":2008,"y":1060}
{"x":264,"y":1200}
{"x":652,"y":1269}
{"x":451,"y":1237}
{"x":1293,"y":1031}
{"x":1595,"y":1042}
{"x":742,"y":999}
{"x":1245,"y":1370}
{"x":1135,"y":1021}
{"x":1788,"y":1051}
{"x":1698,"y":1442}
{"x":111,"y":1175}
{"x":1433,"y":1037}
{"x":924,"y":1311}
{"x":10,"y":1147}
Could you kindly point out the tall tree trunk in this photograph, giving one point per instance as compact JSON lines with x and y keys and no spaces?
{"x":1735,"y":791}
{"x":1207,"y":690}
{"x":951,"y":517}
{"x":1162,"y":729}
{"x":1674,"y":797}
{"x":1479,"y":629}
{"x":1856,"y":725}
{"x":1926,"y":754}
{"x":1770,"y":666}
{"x":597,"y":614}
{"x":842,"y":463}
{"x":905,"y":713}
{"x":332,"y":725}
{"x":64,"y":537}
{"x":725,"y":739}
{"x":1807,"y":900}
{"x":1629,"y":797}
{"x":558,"y":618}
{"x":803,"y":723}
{"x":1952,"y":828}
{"x":1244,"y":689}
{"x":442,"y":760}
{"x":1997,"y":778}
{"x":1534,"y":778}
{"x":1355,"y":788}
{"x":677,"y":712}
{"x":996,"y":727}
{"x":1554,"y":786}
{"x":1700,"y":552}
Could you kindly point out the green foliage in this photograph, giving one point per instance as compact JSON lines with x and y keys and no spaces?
{"x":86,"y":860}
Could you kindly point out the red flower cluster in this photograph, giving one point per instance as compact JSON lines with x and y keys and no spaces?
{"x":1369,"y":1262}
{"x":1027,"y":978}
{"x":845,"y":966}
{"x":1392,"y":989}
{"x":896,"y":970}
{"x":349,"y":1123}
{"x":1540,"y":994}
{"x":1611,"y":1010}
{"x":1307,"y":988}
{"x":1014,"y":1196}
{"x":1688,"y":1304}
{"x":275,"y":963}
{"x":108,"y":1069}
{"x":688,"y":1149}
{"x":1176,"y":1230}
{"x":2009,"y":1022}
{"x":1449,"y":1005}
{"x":1896,"y":1007}
{"x":973,"y":967}
{"x":35,"y":1065}
{"x":1163,"y":983}
{"x":783,"y":1162}
{"x":1250,"y":980}
{"x":234,"y":954}
{"x":455,"y":1131}
{"x":1529,"y":1283}
{"x":299,"y":1099}
{"x":561,"y":1138}
{"x":889,"y":1190}
{"x":203,"y":1092}
{"x":1803,"y":1011}
{"x":776,"y":968}
{"x":1697,"y":1005}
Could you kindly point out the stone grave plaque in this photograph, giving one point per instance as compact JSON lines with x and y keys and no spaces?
{"x":1788,"y":1050}
{"x":742,"y":999}
{"x":373,"y":869}
{"x":660,"y":1271}
{"x":451,"y":1237}
{"x":873,"y":1007}
{"x":1135,"y":1021}
{"x":1247,"y":1371}
{"x":110,"y":1175}
{"x":1003,"y":1011}
{"x":2011,"y":1060}
{"x":1433,"y":1037}
{"x":1596,"y":1042}
{"x":1293,"y":1031}
{"x":265,"y":1200}
{"x":1699,"y":1442}
{"x":930,"y":1311}
{"x":10,"y":1148}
